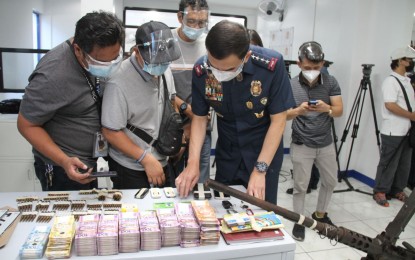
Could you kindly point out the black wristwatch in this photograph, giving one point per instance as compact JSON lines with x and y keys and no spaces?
{"x":183,"y":108}
{"x":261,"y":167}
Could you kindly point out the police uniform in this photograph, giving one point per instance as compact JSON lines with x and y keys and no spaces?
{"x":243,"y":106}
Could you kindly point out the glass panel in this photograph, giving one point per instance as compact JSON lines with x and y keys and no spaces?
{"x":17,"y":68}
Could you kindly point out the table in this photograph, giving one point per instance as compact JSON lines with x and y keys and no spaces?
{"x":275,"y":250}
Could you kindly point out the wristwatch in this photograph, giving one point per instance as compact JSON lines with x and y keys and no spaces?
{"x":261,"y":167}
{"x":183,"y":107}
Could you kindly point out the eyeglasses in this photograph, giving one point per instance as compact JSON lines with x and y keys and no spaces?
{"x":202,"y":23}
{"x":106,"y":63}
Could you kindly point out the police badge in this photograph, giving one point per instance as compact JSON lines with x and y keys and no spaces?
{"x":256,"y":88}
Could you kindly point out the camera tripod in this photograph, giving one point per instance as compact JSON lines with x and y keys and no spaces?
{"x":355,"y":117}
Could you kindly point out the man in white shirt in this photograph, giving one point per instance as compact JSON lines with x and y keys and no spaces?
{"x":395,"y":159}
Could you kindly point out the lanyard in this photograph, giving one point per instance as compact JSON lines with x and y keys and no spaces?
{"x":95,"y":91}
{"x":95,"y":88}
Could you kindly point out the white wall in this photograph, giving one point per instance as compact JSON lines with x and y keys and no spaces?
{"x":16,"y":23}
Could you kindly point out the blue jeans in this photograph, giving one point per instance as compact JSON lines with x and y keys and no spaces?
{"x":204,"y":166}
{"x":205,"y":158}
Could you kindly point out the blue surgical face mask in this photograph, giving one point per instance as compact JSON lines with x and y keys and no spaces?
{"x":103,"y":69}
{"x":156,"y":69}
{"x":192,"y":33}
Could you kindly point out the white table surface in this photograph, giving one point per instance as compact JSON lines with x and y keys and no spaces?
{"x":276,"y":250}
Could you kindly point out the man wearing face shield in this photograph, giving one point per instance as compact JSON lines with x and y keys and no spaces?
{"x":318,"y":99}
{"x":134,"y":99}
{"x":60,"y":111}
{"x":249,"y":89}
{"x":194,"y":17}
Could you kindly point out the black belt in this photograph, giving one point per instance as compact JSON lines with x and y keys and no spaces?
{"x":298,"y":143}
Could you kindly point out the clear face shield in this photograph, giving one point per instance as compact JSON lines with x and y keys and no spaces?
{"x":195,"y":23}
{"x":196,"y":18}
{"x":160,"y":49}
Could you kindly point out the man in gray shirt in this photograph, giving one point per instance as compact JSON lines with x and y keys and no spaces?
{"x":317,"y":97}
{"x":193,"y":17}
{"x":135,"y":96}
{"x":60,"y":111}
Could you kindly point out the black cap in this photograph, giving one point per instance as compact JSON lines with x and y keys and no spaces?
{"x":160,"y":50}
{"x":312,"y":51}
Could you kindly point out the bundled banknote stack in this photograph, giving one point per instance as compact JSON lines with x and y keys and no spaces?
{"x":240,"y":222}
{"x":86,"y":235}
{"x":209,"y":224}
{"x":107,"y":236}
{"x":190,"y":229}
{"x":35,"y":244}
{"x":129,"y":232}
{"x":150,"y":230}
{"x":169,"y":227}
{"x":60,"y":237}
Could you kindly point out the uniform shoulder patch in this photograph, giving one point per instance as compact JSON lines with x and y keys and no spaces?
{"x":199,"y":69}
{"x":264,"y":61}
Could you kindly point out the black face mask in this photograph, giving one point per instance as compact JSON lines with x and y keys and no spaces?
{"x":410,"y":68}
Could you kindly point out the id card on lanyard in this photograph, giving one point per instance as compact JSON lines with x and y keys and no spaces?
{"x":100,"y":148}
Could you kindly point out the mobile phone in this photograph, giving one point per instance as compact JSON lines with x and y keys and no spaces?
{"x":312,"y":102}
{"x":141,"y":193}
{"x":104,"y":174}
{"x":84,"y":170}
{"x":220,"y":195}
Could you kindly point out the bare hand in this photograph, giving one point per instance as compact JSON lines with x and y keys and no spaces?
{"x":187,"y":180}
{"x":154,"y":170}
{"x":320,"y":107}
{"x":256,"y":185}
{"x":302,"y":109}
{"x":71,"y":165}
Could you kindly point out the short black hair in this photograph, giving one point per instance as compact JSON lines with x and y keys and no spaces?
{"x":394,"y":64}
{"x":195,"y":4}
{"x":255,"y":38}
{"x":227,"y":38}
{"x":98,"y":28}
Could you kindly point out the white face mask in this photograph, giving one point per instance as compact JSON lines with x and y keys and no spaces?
{"x":310,"y":75}
{"x":226,"y":75}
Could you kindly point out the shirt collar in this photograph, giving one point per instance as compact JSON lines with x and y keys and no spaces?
{"x":137,"y":67}
{"x":400,"y":77}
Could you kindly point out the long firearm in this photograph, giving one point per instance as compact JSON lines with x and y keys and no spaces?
{"x":382,"y":247}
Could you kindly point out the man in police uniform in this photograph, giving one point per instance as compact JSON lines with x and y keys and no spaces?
{"x":250,"y":91}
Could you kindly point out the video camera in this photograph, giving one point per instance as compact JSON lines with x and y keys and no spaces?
{"x":367,"y":69}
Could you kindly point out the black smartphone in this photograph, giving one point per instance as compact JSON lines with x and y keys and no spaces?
{"x":104,"y":174}
{"x":84,"y":170}
{"x":312,"y":102}
{"x":141,"y":193}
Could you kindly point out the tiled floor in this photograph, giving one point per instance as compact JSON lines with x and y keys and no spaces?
{"x":352,"y":210}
